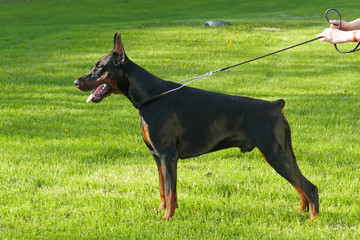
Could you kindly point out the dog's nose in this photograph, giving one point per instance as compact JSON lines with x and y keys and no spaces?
{"x":77,"y":83}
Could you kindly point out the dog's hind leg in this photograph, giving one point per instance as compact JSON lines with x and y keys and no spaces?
{"x":304,"y":206}
{"x":277,"y":151}
{"x":287,"y":167}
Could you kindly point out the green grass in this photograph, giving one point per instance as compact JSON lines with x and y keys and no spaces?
{"x":71,"y":170}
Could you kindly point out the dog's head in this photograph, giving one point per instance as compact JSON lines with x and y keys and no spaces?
{"x":105,"y":76}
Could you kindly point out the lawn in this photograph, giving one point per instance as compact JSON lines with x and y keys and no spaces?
{"x":76,"y":170}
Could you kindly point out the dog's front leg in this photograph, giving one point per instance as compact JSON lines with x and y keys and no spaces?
{"x":161,"y":184}
{"x":168,"y":167}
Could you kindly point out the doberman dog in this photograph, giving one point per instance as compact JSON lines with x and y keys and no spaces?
{"x":190,"y":122}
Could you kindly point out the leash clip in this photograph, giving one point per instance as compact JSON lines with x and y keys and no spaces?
{"x":207,"y":75}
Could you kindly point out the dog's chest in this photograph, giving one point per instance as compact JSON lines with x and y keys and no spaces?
{"x":145,"y":131}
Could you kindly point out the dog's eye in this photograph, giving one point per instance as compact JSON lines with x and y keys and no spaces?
{"x":98,"y":67}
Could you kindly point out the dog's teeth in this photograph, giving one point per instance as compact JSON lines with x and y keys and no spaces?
{"x":89,"y":98}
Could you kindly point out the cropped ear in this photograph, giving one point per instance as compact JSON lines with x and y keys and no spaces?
{"x":119,"y":48}
{"x":115,"y":40}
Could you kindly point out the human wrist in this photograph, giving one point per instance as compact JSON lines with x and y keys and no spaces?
{"x":355,"y":24}
{"x":345,"y":36}
{"x":356,"y":36}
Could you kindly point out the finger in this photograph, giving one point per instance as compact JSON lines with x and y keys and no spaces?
{"x":335,"y":22}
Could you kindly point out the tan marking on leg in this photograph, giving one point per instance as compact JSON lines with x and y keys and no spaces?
{"x":161,"y":189}
{"x":171,"y":204}
{"x":304,"y":198}
{"x":264,"y":157}
{"x":304,"y":206}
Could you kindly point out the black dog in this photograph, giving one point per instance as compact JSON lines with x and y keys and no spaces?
{"x":190,"y":122}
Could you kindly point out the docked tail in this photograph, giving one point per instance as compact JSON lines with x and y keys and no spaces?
{"x":280,"y":104}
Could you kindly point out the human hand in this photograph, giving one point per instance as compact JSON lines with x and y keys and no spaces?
{"x":346,"y":26}
{"x":335,"y":36}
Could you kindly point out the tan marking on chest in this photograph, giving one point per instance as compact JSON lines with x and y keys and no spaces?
{"x":145,"y":132}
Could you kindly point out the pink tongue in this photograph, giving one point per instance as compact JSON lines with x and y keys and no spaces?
{"x":96,"y":93}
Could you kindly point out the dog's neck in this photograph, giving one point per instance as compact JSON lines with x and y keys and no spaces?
{"x":142,"y":85}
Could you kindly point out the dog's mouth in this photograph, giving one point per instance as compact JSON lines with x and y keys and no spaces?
{"x":99,"y":93}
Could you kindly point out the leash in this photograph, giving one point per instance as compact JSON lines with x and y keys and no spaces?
{"x":210,"y":73}
{"x":340,"y":19}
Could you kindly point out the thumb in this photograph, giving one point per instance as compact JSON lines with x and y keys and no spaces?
{"x":321,"y":37}
{"x":334,"y":24}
